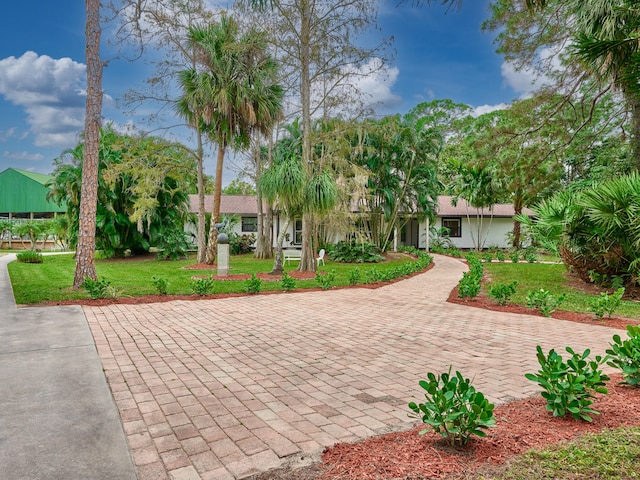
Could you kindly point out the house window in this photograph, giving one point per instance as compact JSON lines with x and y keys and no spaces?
{"x":249,"y":224}
{"x":297,"y":232}
{"x":453,"y":225}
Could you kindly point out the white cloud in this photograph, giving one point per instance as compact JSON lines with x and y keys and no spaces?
{"x":6,"y":135}
{"x":375,"y":80}
{"x":51,"y":93}
{"x":26,"y":156}
{"x":359,"y":88}
{"x":526,"y":80}
{"x":482,"y":109}
{"x":523,"y":81}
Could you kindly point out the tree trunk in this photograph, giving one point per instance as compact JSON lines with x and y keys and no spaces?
{"x":633,"y":100}
{"x":215,"y":214}
{"x":202,"y":224}
{"x":264,"y":245}
{"x":308,"y":258}
{"x":277,"y":262}
{"x":517,"y":208}
{"x":264,"y":248}
{"x":86,"y":249}
{"x":308,"y":261}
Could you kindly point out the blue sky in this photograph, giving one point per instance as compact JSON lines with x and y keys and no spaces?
{"x":42,"y":72}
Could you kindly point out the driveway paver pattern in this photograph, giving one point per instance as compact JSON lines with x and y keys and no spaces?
{"x":228,"y":388}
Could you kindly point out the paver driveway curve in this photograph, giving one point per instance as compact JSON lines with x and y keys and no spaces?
{"x":228,"y":388}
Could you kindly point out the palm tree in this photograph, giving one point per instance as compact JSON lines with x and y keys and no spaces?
{"x":400,"y":155}
{"x":294,"y":190}
{"x":596,"y":231}
{"x":283,"y":185}
{"x":608,"y":43}
{"x":188,"y":108}
{"x":231,"y":96}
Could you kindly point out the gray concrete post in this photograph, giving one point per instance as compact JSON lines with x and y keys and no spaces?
{"x":223,"y":259}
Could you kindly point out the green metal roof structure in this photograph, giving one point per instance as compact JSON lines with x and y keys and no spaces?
{"x":25,"y":192}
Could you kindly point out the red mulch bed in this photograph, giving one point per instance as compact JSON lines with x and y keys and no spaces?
{"x":520,"y":426}
{"x":482,"y":301}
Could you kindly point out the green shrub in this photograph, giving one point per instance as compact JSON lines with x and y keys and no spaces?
{"x":617,"y":281}
{"x":253,"y":285}
{"x":625,"y":355}
{"x":327,"y":280}
{"x":502,"y":292}
{"x":202,"y":286}
{"x":487,"y":257}
{"x":373,"y":275}
{"x":97,"y":288}
{"x":606,"y":304}
{"x":30,"y":256}
{"x":500,"y":256}
{"x":288,"y":282}
{"x":515,"y":257}
{"x":241,"y":244}
{"x":453,"y":408}
{"x":569,"y":387}
{"x":544,"y":301}
{"x":530,"y":257}
{"x":355,"y":276}
{"x":469,"y":286}
{"x":172,"y":244}
{"x":161,"y":284}
{"x":448,"y":250}
{"x":355,"y":252}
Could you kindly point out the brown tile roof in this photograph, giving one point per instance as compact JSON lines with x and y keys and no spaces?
{"x":446,"y":209}
{"x":246,"y":205}
{"x":229,"y":204}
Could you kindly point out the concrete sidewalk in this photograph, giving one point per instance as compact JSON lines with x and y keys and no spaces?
{"x":58,"y":419}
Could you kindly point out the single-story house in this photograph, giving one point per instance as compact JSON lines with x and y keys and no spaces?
{"x":243,"y":206}
{"x":466,"y":223}
{"x":462,"y":221}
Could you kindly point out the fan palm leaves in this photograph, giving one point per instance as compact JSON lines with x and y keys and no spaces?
{"x":595,"y":230}
{"x":231,"y":95}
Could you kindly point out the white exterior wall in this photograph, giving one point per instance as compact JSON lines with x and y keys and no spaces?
{"x":192,"y":229}
{"x":497,"y":229}
{"x":494,"y":232}
{"x":278,"y":224}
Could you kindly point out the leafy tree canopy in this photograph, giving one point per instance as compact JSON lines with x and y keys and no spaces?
{"x":239,"y":187}
{"x":142,"y":191}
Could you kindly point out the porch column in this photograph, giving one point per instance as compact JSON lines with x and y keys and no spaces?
{"x":395,"y":239}
{"x":427,"y":239}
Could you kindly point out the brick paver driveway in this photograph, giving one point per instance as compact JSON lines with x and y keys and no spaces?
{"x":224,"y":389}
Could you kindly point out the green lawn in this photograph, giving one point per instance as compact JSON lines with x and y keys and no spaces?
{"x":51,"y":280}
{"x":612,"y":454}
{"x":552,"y":277}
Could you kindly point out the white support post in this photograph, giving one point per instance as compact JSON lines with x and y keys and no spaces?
{"x":395,"y":239}
{"x":427,"y":239}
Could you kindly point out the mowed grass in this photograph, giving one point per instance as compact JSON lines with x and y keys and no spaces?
{"x":611,"y":455}
{"x":51,"y":280}
{"x":551,"y":277}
